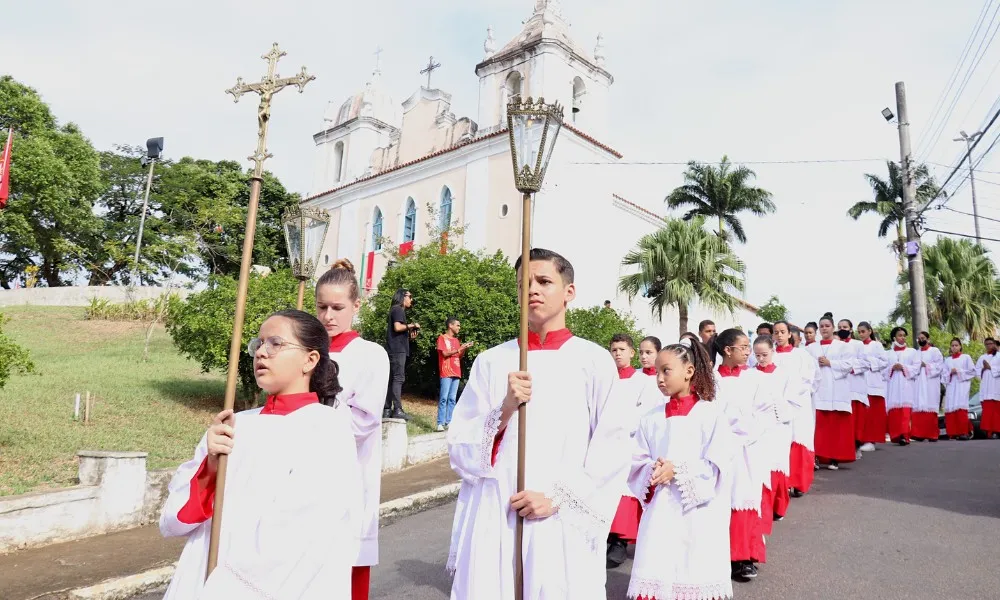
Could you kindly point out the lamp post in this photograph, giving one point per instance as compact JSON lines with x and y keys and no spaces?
{"x":305,"y":229}
{"x":969,"y":141}
{"x":154,"y":146}
{"x":533,"y":128}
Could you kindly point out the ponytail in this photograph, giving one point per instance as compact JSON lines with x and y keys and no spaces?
{"x":694,"y":354}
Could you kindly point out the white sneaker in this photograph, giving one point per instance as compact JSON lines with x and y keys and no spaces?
{"x":833,"y":467}
{"x":440,"y":427}
{"x":857,"y":455}
{"x":867,"y":447}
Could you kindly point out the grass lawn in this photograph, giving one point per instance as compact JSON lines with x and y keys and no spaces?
{"x":161,"y":406}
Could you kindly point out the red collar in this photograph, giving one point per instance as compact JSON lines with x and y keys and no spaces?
{"x":868,"y":341}
{"x":725,"y":371}
{"x":825,"y":342}
{"x":553,"y":341}
{"x":926,"y":348}
{"x":680,"y":407}
{"x":649,"y":371}
{"x":342,"y":339}
{"x":626,"y":372}
{"x":956,"y":356}
{"x":768,"y":369}
{"x":784,"y":349}
{"x":898,"y":348}
{"x":288,"y":403}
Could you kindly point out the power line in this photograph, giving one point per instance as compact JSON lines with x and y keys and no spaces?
{"x":738,"y":162}
{"x":965,"y":235}
{"x":970,"y":214}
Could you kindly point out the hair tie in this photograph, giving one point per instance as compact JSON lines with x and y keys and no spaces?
{"x":686,"y":342}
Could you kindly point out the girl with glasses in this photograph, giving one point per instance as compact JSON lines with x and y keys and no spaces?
{"x":293,"y":488}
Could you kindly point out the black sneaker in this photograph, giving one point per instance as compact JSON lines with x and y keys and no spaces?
{"x":737,"y":572}
{"x":749,"y":570}
{"x":778,"y":517}
{"x":617,"y":552}
{"x":796,"y":493}
{"x":400,"y":415}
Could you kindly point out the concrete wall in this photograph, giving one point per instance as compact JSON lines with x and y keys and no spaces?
{"x":78,"y":295}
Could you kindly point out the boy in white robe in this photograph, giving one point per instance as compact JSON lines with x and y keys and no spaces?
{"x":924,"y":418}
{"x":578,"y":450}
{"x":988,"y":371}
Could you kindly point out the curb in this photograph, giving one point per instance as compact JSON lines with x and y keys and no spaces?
{"x":123,"y":588}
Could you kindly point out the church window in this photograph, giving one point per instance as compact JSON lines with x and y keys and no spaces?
{"x":338,"y":161}
{"x":503,"y":211}
{"x":579,"y":91}
{"x":513,"y":84}
{"x":410,"y":221}
{"x":377,"y":230}
{"x":445,"y":216}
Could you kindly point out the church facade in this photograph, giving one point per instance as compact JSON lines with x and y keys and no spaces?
{"x":383,"y":170}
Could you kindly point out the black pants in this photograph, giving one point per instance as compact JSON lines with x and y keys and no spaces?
{"x":397,"y":374}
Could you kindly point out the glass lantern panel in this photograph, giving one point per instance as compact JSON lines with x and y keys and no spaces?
{"x":527,"y":139}
{"x":554,"y":125}
{"x":315,"y":232}
{"x":293,"y":239}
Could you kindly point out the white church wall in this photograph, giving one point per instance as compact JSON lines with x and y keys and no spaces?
{"x":475,"y":203}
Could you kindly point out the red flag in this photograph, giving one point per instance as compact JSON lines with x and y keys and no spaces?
{"x":5,"y":169}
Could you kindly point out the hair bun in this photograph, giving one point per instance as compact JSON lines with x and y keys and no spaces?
{"x":343,"y":263}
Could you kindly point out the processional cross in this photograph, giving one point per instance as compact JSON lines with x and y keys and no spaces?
{"x":431,"y":66}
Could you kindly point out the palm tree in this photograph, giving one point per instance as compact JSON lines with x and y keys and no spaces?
{"x":722,"y":193}
{"x":888,"y":203}
{"x":963,"y":292}
{"x":681,"y":263}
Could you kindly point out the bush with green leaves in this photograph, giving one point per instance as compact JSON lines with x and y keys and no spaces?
{"x":598,"y":324}
{"x":202,"y":326}
{"x":150,"y":309}
{"x":773,"y":311}
{"x":13,"y":358}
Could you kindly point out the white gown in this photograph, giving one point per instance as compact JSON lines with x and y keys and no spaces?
{"x":802,"y":378}
{"x":683,"y":546}
{"x":956,"y":393}
{"x":873,"y":363}
{"x":578,"y":450}
{"x":859,"y":385}
{"x":989,"y":386}
{"x":929,"y":381}
{"x":780,"y":387}
{"x":901,"y":386}
{"x":748,"y":405}
{"x":833,"y":389}
{"x":292,"y":514}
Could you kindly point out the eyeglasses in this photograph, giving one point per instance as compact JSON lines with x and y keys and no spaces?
{"x":744,"y":347}
{"x":272,"y":346}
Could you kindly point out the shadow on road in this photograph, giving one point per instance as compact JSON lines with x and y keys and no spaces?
{"x":425,"y":574}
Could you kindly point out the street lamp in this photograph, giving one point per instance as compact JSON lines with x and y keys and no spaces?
{"x":154,"y":147}
{"x":305,"y":231}
{"x":971,"y":140}
{"x":533,"y":128}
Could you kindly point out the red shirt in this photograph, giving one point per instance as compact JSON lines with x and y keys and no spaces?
{"x":452,"y":365}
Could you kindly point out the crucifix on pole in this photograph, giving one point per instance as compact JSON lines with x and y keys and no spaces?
{"x":429,"y":69}
{"x":266,"y":88}
{"x":378,"y":59}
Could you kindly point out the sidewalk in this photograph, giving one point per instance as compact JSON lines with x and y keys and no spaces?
{"x":39,"y":572}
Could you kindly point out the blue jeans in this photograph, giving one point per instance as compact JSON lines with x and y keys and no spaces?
{"x":447,"y":399}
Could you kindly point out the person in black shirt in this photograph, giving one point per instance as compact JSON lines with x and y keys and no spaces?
{"x":398,"y":336}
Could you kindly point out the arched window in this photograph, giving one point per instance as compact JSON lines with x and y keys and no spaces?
{"x":579,"y":91}
{"x":511,"y":87}
{"x":377,"y":230}
{"x":410,"y":221}
{"x":338,"y":161}
{"x":445,"y":214}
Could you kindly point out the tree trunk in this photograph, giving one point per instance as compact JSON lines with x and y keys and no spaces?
{"x":722,"y":234}
{"x":682,"y":323}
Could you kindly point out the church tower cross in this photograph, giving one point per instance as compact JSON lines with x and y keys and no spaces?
{"x":431,"y":66}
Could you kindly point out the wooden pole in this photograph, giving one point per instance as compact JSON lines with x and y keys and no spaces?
{"x":522,"y":420}
{"x":302,"y":293}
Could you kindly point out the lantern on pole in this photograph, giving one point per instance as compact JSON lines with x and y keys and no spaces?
{"x":533,"y":128}
{"x":305,"y":230}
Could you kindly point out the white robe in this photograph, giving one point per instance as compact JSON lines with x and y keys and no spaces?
{"x":292,"y":514}
{"x":858,"y":383}
{"x":364,"y":375}
{"x":957,"y":386}
{"x":802,"y":378}
{"x":833,"y":390}
{"x":989,"y":386}
{"x":929,"y":382}
{"x":578,"y":450}
{"x":780,"y":386}
{"x":873,"y":362}
{"x":901,"y":386}
{"x":682,"y":549}
{"x":641,"y":391}
{"x":749,"y":407}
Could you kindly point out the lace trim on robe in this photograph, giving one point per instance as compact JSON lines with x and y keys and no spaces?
{"x":650,"y":588}
{"x":249,"y":584}
{"x":686,"y":484}
{"x":646,"y":475}
{"x":452,"y":565}
{"x":490,"y":431}
{"x":577,"y":513}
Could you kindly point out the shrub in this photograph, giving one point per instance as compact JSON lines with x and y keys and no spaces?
{"x":13,"y":358}
{"x":598,"y":324}
{"x":154,"y":309}
{"x":202,"y":326}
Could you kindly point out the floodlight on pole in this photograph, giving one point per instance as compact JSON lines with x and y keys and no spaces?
{"x":305,"y":231}
{"x":533,"y":128}
{"x":154,"y":147}
{"x":969,"y":141}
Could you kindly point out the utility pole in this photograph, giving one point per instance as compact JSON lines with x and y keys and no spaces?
{"x":969,"y":140}
{"x":154,"y":146}
{"x":918,"y":294}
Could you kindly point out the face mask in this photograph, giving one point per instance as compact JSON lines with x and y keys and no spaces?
{"x":922,"y":343}
{"x":843,"y":334}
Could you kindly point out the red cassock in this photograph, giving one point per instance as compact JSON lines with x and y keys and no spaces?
{"x":876,"y":425}
{"x":835,"y":436}
{"x":990,"y":420}
{"x":956,"y":423}
{"x":859,"y":414}
{"x":800,"y":471}
{"x":899,"y":424}
{"x":924,"y":425}
{"x":779,"y":489}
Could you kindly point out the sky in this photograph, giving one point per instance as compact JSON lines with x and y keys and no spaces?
{"x":758,"y":81}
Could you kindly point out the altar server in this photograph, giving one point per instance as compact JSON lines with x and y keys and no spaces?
{"x":832,"y":398}
{"x":959,"y":371}
{"x":802,"y":369}
{"x":779,"y":441}
{"x":649,"y":347}
{"x":856,"y":379}
{"x":988,"y":370}
{"x":293,"y":488}
{"x":902,"y":380}
{"x":873,"y":364}
{"x":924,"y":418}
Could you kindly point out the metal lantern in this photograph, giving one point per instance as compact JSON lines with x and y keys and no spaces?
{"x":305,"y":231}
{"x":533,"y":127}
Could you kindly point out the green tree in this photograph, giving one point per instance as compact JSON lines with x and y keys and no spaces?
{"x":13,"y":358}
{"x":963,"y":293}
{"x":773,"y":310}
{"x":202,"y":326}
{"x":887,"y":203}
{"x":722,"y":193}
{"x":54,"y":181}
{"x":682,"y":263}
{"x":479,"y":290}
{"x":598,"y":324}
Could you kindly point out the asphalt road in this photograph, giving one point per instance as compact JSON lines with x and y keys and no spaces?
{"x":914,"y":523}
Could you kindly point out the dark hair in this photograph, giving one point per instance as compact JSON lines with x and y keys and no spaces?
{"x":811,"y":324}
{"x":896,"y":330}
{"x":925,"y":334}
{"x":311,"y":334}
{"x":399,"y":296}
{"x":960,"y":345}
{"x":764,"y":339}
{"x":769,"y":327}
{"x":989,"y":339}
{"x":794,"y":330}
{"x":726,"y":339}
{"x":341,"y":273}
{"x":826,"y":317}
{"x":449,"y":321}
{"x":783,"y":322}
{"x":704,"y":324}
{"x":606,"y":302}
{"x":652,"y":339}
{"x":563,"y":266}
{"x":869,"y":327}
{"x":848,"y":321}
{"x":622,"y":337}
{"x":703,"y":382}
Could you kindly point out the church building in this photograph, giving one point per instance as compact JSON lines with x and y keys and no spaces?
{"x":379,"y":164}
